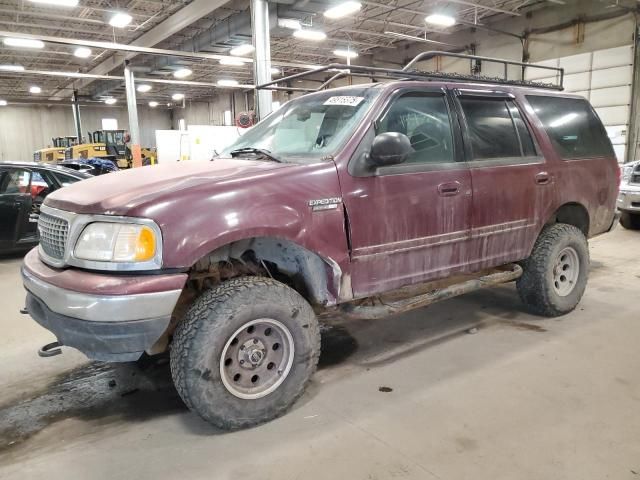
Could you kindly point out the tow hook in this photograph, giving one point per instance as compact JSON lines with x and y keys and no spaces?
{"x":50,"y":350}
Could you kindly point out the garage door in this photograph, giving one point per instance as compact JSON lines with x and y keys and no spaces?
{"x":604,"y":77}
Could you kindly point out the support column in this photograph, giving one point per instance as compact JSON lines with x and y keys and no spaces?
{"x":261,"y":55}
{"x":76,"y":115}
{"x":132,"y":108}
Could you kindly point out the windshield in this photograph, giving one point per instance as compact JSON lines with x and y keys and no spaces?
{"x":310,"y":127}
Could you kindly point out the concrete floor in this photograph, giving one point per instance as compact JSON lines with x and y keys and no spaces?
{"x":524,"y":398}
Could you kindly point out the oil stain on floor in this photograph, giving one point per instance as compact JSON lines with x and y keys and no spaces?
{"x":126,"y":391}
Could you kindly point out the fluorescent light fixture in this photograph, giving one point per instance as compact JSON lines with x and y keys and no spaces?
{"x":120,"y":20}
{"x":440,"y":20}
{"x":182,"y":73}
{"x":240,"y":50}
{"x":59,"y":3}
{"x":23,"y":43}
{"x":291,"y":23}
{"x":144,"y":88}
{"x":82,"y":52}
{"x":227,"y":82}
{"x":177,"y":96}
{"x":275,"y":71}
{"x":153,"y":104}
{"x":12,"y":68}
{"x":343,"y":9}
{"x":3,"y":103}
{"x":233,"y":62}
{"x":306,"y":34}
{"x":111,"y":101}
{"x":35,"y":89}
{"x":419,"y":39}
{"x":346,"y":53}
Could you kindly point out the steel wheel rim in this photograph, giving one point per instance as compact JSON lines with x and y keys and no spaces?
{"x":566,"y":271}
{"x":257,"y":358}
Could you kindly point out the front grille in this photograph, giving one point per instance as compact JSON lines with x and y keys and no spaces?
{"x":53,"y":235}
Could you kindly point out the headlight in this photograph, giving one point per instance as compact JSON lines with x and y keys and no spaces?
{"x":116,"y":242}
{"x":626,"y":172}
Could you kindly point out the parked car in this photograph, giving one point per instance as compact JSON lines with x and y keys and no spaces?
{"x":629,"y":198}
{"x":23,"y":188}
{"x":337,"y":202}
{"x":92,"y":166}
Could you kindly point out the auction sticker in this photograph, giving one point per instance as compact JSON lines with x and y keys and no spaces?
{"x":344,"y":100}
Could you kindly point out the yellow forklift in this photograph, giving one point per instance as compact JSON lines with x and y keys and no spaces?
{"x":107,"y":144}
{"x":55,"y":153}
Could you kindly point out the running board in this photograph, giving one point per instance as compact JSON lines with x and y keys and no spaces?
{"x":378,"y":307}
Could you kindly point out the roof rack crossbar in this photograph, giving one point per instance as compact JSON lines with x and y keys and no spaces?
{"x":407,"y":73}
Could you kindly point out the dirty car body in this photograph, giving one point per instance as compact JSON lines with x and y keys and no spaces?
{"x":321,"y":215}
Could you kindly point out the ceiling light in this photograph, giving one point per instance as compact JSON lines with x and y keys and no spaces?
{"x":343,"y":9}
{"x":110,"y":101}
{"x":346,"y":53}
{"x":82,"y":52}
{"x":23,"y":43}
{"x":153,"y":104}
{"x":244,"y":49}
{"x":234,"y":62}
{"x":441,"y":20}
{"x":306,"y":34}
{"x":60,"y":3}
{"x":182,"y":73}
{"x":227,"y":83}
{"x":12,"y":68}
{"x":144,"y":88}
{"x":120,"y":20}
{"x":177,"y":96}
{"x":35,"y":89}
{"x":3,"y":103}
{"x":292,"y":23}
{"x":275,"y":71}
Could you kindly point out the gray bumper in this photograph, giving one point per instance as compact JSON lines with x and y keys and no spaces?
{"x":111,"y":328}
{"x":629,"y":198}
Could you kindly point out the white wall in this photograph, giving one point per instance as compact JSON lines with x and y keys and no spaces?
{"x":24,"y":129}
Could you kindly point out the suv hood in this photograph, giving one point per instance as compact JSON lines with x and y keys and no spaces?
{"x":123,"y":192}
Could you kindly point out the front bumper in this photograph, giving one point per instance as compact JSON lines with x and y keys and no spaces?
{"x":629,"y":198}
{"x":107,"y":317}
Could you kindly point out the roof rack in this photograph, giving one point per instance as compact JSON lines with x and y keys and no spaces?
{"x":408,"y":72}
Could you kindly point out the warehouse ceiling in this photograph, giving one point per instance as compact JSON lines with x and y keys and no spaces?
{"x":216,"y":31}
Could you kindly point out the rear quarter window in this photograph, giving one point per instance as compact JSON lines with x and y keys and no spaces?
{"x":573,"y":127}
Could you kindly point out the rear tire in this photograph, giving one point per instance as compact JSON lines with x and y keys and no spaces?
{"x":630,"y":221}
{"x":245,"y":352}
{"x":555,"y":275}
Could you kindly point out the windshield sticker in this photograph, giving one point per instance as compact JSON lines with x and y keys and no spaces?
{"x":344,"y":100}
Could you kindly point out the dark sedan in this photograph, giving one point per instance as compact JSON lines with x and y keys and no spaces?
{"x":23,"y":188}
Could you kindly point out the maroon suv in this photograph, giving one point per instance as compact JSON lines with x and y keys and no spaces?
{"x":365,"y":200}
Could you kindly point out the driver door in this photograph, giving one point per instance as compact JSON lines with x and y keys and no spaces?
{"x":409,"y":222}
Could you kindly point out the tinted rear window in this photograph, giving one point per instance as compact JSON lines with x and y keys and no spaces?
{"x":572,"y":126}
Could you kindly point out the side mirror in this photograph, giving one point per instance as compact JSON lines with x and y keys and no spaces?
{"x":389,"y":148}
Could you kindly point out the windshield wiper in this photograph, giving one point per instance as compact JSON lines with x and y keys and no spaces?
{"x":255,"y":151}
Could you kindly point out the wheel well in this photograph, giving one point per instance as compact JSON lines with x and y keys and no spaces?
{"x":572,"y":214}
{"x":314,"y":277}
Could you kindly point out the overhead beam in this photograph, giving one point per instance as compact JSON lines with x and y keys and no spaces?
{"x":135,"y":50}
{"x":176,"y":22}
{"x":422,"y":12}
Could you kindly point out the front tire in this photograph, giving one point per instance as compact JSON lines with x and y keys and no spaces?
{"x":630,"y":221}
{"x":555,"y":275}
{"x":245,"y":352}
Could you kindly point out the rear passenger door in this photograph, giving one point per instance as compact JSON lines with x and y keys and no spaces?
{"x":15,"y":205}
{"x":512,"y":186}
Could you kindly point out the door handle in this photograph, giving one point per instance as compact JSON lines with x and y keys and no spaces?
{"x":543,"y":178}
{"x":449,"y":189}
